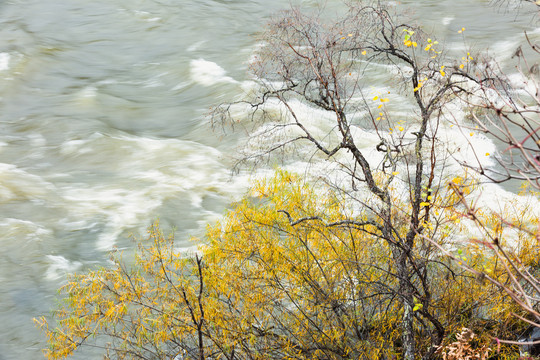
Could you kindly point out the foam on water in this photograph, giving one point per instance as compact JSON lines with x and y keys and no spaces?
{"x":151,"y":172}
{"x":465,"y":147}
{"x":505,"y":49}
{"x":121,"y":208}
{"x":4,"y":61}
{"x":196,"y":46}
{"x":11,"y":226}
{"x":88,"y":92}
{"x":60,"y":266}
{"x":447,"y":20}
{"x":209,"y":73}
{"x":523,"y":86}
{"x":17,"y":184}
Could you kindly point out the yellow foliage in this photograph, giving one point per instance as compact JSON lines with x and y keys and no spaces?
{"x":288,"y":274}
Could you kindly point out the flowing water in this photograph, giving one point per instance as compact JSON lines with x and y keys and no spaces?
{"x":103,"y":126}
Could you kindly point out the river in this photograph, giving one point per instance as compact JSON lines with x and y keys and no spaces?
{"x":103,"y":126}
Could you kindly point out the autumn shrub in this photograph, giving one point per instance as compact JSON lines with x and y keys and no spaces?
{"x":302,"y":283}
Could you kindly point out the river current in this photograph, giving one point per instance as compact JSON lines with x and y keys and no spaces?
{"x":103,"y":126}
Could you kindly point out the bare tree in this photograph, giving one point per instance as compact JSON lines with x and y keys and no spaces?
{"x":306,"y":61}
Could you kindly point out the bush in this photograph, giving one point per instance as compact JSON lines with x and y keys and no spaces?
{"x":268,"y":283}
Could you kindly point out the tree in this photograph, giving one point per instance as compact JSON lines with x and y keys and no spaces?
{"x":351,"y":268}
{"x":307,"y":61}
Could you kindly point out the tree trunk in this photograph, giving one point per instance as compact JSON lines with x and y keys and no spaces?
{"x":407,"y":301}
